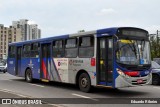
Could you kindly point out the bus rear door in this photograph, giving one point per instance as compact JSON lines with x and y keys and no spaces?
{"x":45,"y":55}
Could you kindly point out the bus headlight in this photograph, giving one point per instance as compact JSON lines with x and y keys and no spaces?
{"x":146,"y":72}
{"x":120,"y":72}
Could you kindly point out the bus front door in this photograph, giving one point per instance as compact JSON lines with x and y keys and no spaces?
{"x":18,"y":60}
{"x":105,"y":61}
{"x":45,"y":55}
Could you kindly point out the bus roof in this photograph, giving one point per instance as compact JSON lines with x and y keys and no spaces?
{"x":99,"y":32}
{"x":40,"y":40}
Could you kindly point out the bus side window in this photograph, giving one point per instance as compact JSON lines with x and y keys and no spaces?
{"x":26,"y":50}
{"x":35,"y":50}
{"x":58,"y":49}
{"x":11,"y":52}
{"x":71,"y":49}
{"x":86,"y":46}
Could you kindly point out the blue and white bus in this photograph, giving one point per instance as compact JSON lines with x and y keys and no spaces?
{"x":112,"y":57}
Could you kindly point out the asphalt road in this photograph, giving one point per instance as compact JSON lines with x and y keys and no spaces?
{"x":18,"y":86}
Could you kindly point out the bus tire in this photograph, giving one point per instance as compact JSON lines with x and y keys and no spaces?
{"x":28,"y":75}
{"x":84,"y":82}
{"x":155,"y":79}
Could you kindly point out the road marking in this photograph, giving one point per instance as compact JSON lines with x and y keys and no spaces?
{"x":84,"y":96}
{"x":5,"y":90}
{"x":21,"y":95}
{"x":36,"y":85}
{"x":11,"y":92}
{"x":26,"y":96}
{"x":157,"y":87}
{"x":80,"y":95}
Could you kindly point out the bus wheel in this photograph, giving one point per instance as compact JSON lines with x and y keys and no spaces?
{"x":84,"y":82}
{"x":155,"y":79}
{"x":28,"y":75}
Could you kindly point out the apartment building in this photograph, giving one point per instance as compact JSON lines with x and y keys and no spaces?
{"x":34,"y":33}
{"x":28,"y":31}
{"x":8,"y":35}
{"x":19,"y":31}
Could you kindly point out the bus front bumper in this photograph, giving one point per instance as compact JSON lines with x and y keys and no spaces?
{"x":121,"y":81}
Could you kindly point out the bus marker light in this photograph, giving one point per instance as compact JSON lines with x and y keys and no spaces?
{"x":44,"y":80}
{"x":93,"y":61}
{"x":101,"y":62}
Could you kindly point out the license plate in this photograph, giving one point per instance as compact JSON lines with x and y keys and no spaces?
{"x":139,"y":81}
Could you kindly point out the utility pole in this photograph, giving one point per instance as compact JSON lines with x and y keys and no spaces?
{"x":158,"y":36}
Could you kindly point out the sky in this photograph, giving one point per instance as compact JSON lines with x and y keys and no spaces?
{"x":59,"y":17}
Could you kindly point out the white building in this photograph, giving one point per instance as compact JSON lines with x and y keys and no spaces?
{"x":34,"y":33}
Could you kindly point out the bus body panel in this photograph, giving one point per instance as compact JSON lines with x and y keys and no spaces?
{"x":11,"y":66}
{"x":24,"y":66}
{"x":34,"y":65}
{"x":106,"y":32}
{"x":66,"y":69}
{"x":121,"y":82}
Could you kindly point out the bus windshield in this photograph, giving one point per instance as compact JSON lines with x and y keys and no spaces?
{"x":133,"y":52}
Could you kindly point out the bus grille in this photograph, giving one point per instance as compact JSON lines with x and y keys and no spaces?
{"x":135,"y":82}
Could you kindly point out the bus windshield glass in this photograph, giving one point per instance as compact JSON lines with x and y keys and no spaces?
{"x":133,"y":52}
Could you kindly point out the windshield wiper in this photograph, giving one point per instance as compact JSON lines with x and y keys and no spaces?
{"x":133,"y":49}
{"x":143,"y":44}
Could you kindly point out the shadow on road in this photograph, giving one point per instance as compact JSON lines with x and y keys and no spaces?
{"x":125,"y":92}
{"x":2,"y":73}
{"x":106,"y":92}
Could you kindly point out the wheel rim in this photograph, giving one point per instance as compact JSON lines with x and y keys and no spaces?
{"x":84,"y":82}
{"x":28,"y":76}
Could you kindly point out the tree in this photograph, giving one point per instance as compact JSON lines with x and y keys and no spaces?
{"x":155,"y":47}
{"x":81,"y":31}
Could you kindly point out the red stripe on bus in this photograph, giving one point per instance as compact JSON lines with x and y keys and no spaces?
{"x":44,"y":69}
